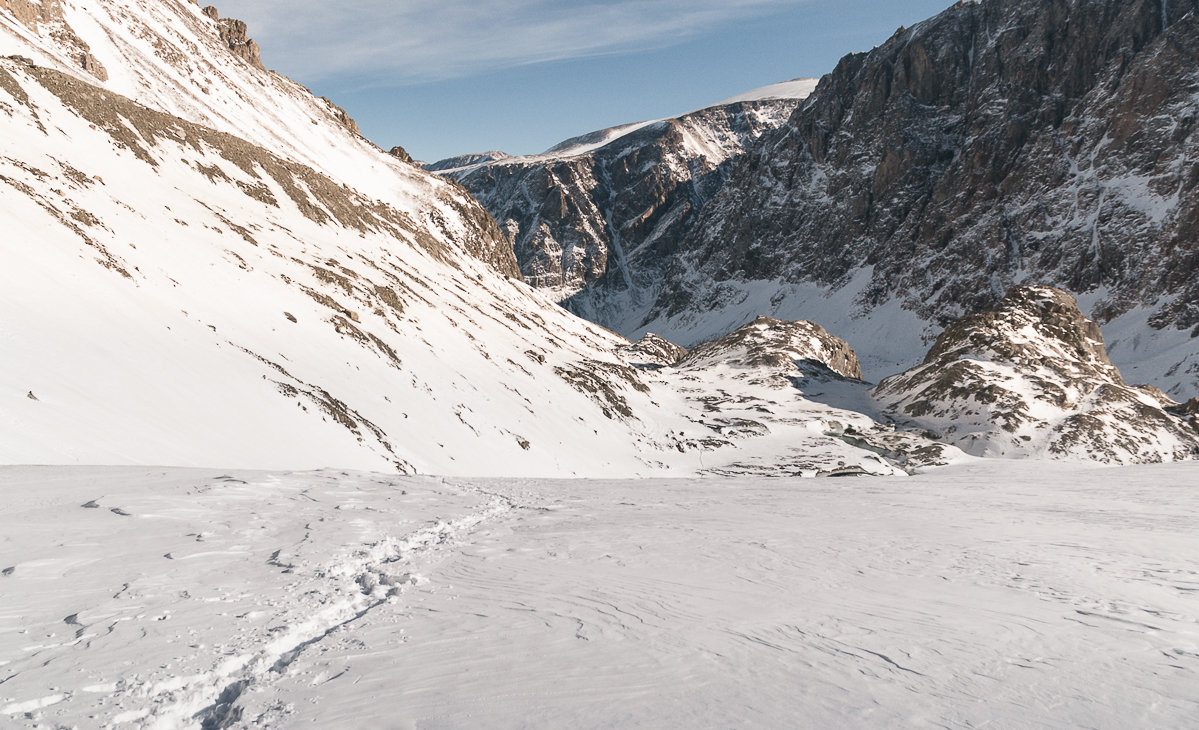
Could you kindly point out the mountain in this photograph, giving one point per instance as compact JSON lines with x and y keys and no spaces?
{"x":997,"y":143}
{"x":596,"y":217}
{"x":1031,"y":377}
{"x":205,"y":264}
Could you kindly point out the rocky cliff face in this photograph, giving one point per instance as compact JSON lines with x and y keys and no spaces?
{"x":233,"y":33}
{"x":997,"y":143}
{"x":597,"y":215}
{"x":1032,"y":377}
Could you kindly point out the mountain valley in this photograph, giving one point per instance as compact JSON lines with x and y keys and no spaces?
{"x":863,"y":401}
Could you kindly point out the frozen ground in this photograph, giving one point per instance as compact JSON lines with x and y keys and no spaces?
{"x":999,"y":594}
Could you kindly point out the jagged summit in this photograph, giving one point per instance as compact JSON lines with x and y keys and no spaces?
{"x":997,"y":143}
{"x":1033,"y":326}
{"x":1032,"y":377}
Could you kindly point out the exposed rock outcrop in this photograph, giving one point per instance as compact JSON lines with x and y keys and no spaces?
{"x":400,"y":153}
{"x":92,"y":65}
{"x":342,"y":116}
{"x":653,"y":350}
{"x":774,"y":343}
{"x":1032,"y":377}
{"x":234,"y":33}
{"x":49,"y":13}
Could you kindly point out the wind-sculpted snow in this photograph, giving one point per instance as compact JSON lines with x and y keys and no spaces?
{"x":1003,"y":593}
{"x":1032,"y":376}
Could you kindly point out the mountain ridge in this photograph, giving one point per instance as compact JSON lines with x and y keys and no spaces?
{"x":994,"y":144}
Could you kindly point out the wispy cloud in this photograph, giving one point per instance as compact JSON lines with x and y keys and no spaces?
{"x":404,"y":41}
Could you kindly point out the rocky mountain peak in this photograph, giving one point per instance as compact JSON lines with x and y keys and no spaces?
{"x":775,"y":343}
{"x":998,"y":143}
{"x":1032,"y":377}
{"x":234,"y":33}
{"x":596,"y":215}
{"x":654,"y":351}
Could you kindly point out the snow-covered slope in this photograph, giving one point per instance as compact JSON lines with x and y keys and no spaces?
{"x":176,"y":295}
{"x":461,"y":162}
{"x":999,"y":593}
{"x":1032,"y":377}
{"x":794,"y":89}
{"x":223,"y":272}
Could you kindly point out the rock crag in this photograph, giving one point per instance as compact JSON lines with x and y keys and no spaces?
{"x":1031,"y":377}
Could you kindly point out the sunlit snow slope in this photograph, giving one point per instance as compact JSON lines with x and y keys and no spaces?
{"x":203,"y":264}
{"x":230,"y":275}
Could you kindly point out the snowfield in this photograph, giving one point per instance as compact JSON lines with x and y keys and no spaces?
{"x":1008,"y":594}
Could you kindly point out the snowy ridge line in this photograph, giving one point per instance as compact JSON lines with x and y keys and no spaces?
{"x":354,"y":586}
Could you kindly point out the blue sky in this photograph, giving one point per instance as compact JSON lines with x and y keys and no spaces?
{"x":444,"y":77}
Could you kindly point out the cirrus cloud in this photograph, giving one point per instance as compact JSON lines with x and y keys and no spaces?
{"x":408,"y":41}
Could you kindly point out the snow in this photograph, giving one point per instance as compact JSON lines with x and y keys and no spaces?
{"x":250,"y":335}
{"x":1005,"y":593}
{"x":590,"y":142}
{"x":713,"y":149}
{"x":794,"y":89}
{"x":887,"y":340}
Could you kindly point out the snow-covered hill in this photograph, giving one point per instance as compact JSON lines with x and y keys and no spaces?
{"x":798,"y":89}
